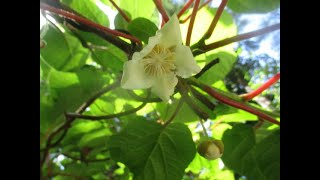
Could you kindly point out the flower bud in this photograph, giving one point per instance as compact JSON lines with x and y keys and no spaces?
{"x":211,"y":149}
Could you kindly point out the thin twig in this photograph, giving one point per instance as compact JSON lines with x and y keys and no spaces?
{"x":263,"y":87}
{"x":202,"y":98}
{"x":216,"y":124}
{"x":184,"y":8}
{"x":193,"y":17}
{"x":80,"y":110}
{"x":258,"y":124}
{"x":174,"y":113}
{"x":226,"y":100}
{"x":207,"y":67}
{"x":204,"y":128}
{"x":105,"y":117}
{"x":123,"y":14}
{"x":215,"y":19}
{"x":104,"y":90}
{"x":69,"y":120}
{"x":161,"y":10}
{"x":240,"y":37}
{"x":142,"y":99}
{"x":201,"y":6}
{"x":183,"y":88}
{"x":69,"y":15}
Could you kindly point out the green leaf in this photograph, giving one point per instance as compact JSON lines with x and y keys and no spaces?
{"x":218,"y":130}
{"x":151,"y":151}
{"x":266,"y":129}
{"x":199,"y":163}
{"x":138,"y":8}
{"x":255,"y":161}
{"x":185,"y":114}
{"x":89,"y":9}
{"x":227,"y":113}
{"x":253,"y":6}
{"x":225,"y":28}
{"x":81,"y":169}
{"x":142,"y":28}
{"x":220,"y":70}
{"x":105,"y":54}
{"x":208,"y":169}
{"x":120,"y":22}
{"x":63,"y":51}
{"x":111,"y":58}
{"x":65,"y":92}
{"x":78,"y":129}
{"x":95,"y":138}
{"x":102,"y":107}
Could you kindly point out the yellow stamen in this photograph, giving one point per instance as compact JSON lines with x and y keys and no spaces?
{"x":159,"y":61}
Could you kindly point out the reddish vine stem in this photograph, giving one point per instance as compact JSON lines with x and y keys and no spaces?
{"x":193,"y":17}
{"x":233,"y":39}
{"x":215,"y":19}
{"x":226,"y":100}
{"x":85,"y":21}
{"x":258,"y":91}
{"x":162,"y":20}
{"x":123,"y":14}
{"x":161,"y":10}
{"x":238,"y":105}
{"x":184,"y":8}
{"x":201,"y":6}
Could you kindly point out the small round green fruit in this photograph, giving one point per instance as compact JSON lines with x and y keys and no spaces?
{"x":211,"y":149}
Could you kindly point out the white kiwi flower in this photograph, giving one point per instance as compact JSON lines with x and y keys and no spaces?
{"x":159,"y":62}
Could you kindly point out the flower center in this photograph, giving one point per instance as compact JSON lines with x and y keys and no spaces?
{"x":159,"y":61}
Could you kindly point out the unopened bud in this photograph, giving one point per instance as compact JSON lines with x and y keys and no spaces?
{"x":211,"y":149}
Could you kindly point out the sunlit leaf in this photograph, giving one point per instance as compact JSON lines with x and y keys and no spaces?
{"x":63,"y":51}
{"x":89,"y":9}
{"x":225,"y":28}
{"x":209,"y":169}
{"x":138,"y":8}
{"x":105,"y":54}
{"x":95,"y":138}
{"x":65,"y":92}
{"x":227,"y":113}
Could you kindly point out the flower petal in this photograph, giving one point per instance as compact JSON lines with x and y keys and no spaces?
{"x":163,"y":86}
{"x":171,"y":34}
{"x":154,"y":40}
{"x":134,"y":76}
{"x":185,"y":62}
